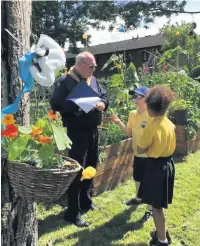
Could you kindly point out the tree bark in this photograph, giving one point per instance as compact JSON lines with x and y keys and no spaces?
{"x":16,"y":17}
{"x":18,"y":217}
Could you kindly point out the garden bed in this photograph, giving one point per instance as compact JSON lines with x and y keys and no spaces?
{"x":116,"y":168}
{"x":183,"y":147}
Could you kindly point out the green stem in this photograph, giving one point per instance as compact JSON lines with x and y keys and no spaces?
{"x":177,"y":69}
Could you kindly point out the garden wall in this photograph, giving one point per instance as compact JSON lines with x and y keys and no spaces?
{"x":183,"y":147}
{"x":116,"y":168}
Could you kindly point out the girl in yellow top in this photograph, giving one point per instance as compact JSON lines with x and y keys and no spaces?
{"x":137,"y":121}
{"x":158,"y":142}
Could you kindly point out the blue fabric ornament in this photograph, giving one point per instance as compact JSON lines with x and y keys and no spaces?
{"x":24,"y":71}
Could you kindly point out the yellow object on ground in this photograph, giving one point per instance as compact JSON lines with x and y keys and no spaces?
{"x":88,"y":173}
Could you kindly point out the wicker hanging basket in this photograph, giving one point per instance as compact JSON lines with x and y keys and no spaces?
{"x":41,"y":185}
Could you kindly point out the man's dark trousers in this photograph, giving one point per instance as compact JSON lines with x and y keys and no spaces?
{"x":85,"y":151}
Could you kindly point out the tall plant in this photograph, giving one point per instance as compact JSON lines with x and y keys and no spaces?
{"x":120,"y":83}
{"x":184,"y":39}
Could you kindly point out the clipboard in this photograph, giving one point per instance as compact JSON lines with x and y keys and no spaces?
{"x":84,"y":97}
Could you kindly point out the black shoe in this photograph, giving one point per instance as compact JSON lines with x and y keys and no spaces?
{"x":154,"y":237}
{"x":133,"y":201}
{"x":80,"y":222}
{"x":77,"y":221}
{"x":93,"y":207}
{"x":146,"y":216}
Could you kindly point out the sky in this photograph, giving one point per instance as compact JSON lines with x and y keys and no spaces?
{"x":104,"y":36}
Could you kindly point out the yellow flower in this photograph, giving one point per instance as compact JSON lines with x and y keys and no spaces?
{"x":84,"y":36}
{"x":88,"y":173}
{"x":36,"y":131}
{"x":177,"y":33}
{"x":8,"y":119}
{"x":118,"y":66}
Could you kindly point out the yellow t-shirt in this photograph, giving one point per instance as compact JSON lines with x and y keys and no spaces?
{"x":160,"y":137}
{"x":137,"y":123}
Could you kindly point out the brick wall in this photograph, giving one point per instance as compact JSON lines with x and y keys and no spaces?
{"x":183,"y":147}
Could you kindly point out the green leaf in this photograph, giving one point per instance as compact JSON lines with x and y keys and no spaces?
{"x":61,"y":138}
{"x":17,"y":147}
{"x":46,"y":152}
{"x":111,"y":110}
{"x":44,"y":125}
{"x":25,"y":129}
{"x":131,"y":67}
{"x":116,"y":80}
{"x":137,"y":85}
{"x":41,"y":123}
{"x":112,"y":59}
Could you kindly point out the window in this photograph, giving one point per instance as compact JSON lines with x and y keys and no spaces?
{"x":145,"y":56}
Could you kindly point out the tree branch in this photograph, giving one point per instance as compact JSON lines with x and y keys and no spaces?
{"x":176,"y":11}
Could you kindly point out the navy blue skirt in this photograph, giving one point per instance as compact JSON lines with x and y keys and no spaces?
{"x":157,"y":187}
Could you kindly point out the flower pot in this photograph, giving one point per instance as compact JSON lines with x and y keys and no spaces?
{"x":41,"y":185}
{"x":180,"y":117}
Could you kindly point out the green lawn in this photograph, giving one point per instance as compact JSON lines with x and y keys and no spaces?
{"x":116,"y":224}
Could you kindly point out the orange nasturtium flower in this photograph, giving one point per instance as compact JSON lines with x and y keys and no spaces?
{"x":36,"y":131}
{"x":11,"y":131}
{"x":44,"y":139}
{"x":8,"y":119}
{"x":51,"y":115}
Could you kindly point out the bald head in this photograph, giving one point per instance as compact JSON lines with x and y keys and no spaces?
{"x":83,"y":56}
{"x":85,"y":64}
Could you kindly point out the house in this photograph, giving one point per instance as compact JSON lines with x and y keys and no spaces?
{"x":135,"y":50}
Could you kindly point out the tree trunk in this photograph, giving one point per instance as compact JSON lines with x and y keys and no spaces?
{"x":18,"y":217}
{"x":16,"y":17}
{"x":18,"y":221}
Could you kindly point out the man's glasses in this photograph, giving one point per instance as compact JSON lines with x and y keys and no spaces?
{"x":90,"y":66}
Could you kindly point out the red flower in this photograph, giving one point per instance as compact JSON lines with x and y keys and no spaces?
{"x":44,"y":139}
{"x":11,"y":131}
{"x":146,"y":70}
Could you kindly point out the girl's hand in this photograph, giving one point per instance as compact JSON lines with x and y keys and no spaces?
{"x":114,"y":118}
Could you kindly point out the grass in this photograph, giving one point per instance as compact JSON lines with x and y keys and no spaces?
{"x":116,"y":224}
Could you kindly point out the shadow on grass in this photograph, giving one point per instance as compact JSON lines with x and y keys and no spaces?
{"x":51,"y":223}
{"x":103,"y":235}
{"x":134,"y":244}
{"x":178,"y":158}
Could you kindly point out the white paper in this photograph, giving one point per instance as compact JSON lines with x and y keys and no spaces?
{"x":86,"y":103}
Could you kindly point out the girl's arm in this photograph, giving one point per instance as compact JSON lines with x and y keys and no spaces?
{"x":124,"y":128}
{"x":141,"y":150}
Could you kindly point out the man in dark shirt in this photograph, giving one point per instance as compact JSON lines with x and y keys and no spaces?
{"x":81,"y":129}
